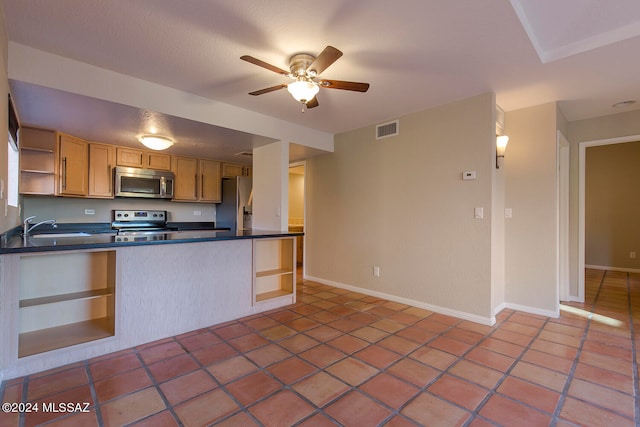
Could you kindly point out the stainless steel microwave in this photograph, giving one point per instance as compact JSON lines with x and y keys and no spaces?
{"x":136,"y":182}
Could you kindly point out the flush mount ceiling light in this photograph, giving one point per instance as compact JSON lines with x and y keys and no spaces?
{"x":501,"y":146}
{"x":155,"y":142}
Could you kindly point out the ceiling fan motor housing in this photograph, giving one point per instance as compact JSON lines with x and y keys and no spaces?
{"x":299,"y":64}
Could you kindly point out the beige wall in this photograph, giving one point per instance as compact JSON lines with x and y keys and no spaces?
{"x":612,"y":209}
{"x":296,"y":198}
{"x":400,"y":203}
{"x":531,"y":191}
{"x":270,"y":186}
{"x":11,"y":218}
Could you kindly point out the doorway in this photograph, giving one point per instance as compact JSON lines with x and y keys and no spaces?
{"x":581,"y":203}
{"x":563,"y":217}
{"x":296,"y":206}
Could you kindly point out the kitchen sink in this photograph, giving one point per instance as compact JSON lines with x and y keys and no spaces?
{"x":57,"y":235}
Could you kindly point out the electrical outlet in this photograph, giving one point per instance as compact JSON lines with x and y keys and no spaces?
{"x":376,"y":271}
{"x":197,"y":213}
{"x":632,"y":254}
{"x":89,"y":211}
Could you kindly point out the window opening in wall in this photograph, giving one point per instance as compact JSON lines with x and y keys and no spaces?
{"x":13,"y":160}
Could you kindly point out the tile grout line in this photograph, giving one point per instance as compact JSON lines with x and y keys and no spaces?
{"x":24,"y":396}
{"x":494,"y":390}
{"x":156,"y":386}
{"x":565,"y":391}
{"x":94,"y":395}
{"x":636,"y":387}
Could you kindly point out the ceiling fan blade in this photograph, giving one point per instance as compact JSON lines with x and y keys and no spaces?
{"x":267,"y":90}
{"x":263,"y":64}
{"x":327,"y":57}
{"x":339,"y":84}
{"x":313,"y":103}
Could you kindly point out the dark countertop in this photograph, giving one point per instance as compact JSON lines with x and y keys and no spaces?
{"x":13,"y":242}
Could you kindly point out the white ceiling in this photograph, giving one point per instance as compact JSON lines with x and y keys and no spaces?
{"x":415,"y":54}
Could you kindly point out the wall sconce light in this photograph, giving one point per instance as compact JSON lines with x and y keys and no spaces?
{"x":501,"y":146}
{"x":155,"y":142}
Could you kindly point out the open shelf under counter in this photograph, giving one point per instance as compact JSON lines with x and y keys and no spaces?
{"x":48,"y":339}
{"x":65,"y":299}
{"x":96,"y":293}
{"x":274,"y":271}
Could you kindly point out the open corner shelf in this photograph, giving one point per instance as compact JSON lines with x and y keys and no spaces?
{"x":274,"y":269}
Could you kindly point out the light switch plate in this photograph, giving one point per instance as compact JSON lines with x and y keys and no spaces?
{"x":478,"y":213}
{"x":508,"y":213}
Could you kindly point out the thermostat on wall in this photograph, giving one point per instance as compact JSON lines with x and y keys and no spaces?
{"x":467,"y":175}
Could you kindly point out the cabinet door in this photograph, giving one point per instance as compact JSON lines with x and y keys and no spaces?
{"x":129,"y":157}
{"x":159,"y":161}
{"x":186,"y":179}
{"x":210,"y":182}
{"x":73,"y":161}
{"x":230,"y":170}
{"x":101,"y":160}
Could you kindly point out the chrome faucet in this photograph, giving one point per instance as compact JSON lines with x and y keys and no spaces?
{"x":27,"y":227}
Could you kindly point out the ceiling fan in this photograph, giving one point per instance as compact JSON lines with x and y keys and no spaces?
{"x":304,"y":69}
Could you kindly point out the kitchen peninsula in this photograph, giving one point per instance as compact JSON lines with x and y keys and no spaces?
{"x":65,"y":299}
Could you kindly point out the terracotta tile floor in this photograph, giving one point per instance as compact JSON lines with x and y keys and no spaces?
{"x":344,"y":358}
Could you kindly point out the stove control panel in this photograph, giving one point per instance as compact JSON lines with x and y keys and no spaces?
{"x":142,"y":216}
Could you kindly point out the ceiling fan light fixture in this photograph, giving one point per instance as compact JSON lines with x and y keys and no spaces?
{"x":303,"y":90}
{"x":155,"y":142}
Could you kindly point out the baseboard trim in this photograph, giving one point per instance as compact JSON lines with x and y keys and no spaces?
{"x":573,"y":298}
{"x":621,"y":269}
{"x":489,"y":321}
{"x":498,"y":309}
{"x":533,"y":310}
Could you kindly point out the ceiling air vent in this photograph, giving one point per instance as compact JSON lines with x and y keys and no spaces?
{"x":244,"y":154}
{"x":386,"y":130}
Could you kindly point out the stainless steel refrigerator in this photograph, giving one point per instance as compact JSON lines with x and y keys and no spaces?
{"x":235,"y":210}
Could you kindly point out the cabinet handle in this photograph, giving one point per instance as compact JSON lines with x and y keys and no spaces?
{"x":64,"y":173}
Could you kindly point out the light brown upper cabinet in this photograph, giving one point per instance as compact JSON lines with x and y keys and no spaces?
{"x":101,"y":160}
{"x":210,"y":181}
{"x":134,"y":158}
{"x":158,"y":161}
{"x":73,"y":166}
{"x":197,"y":180}
{"x":230,"y":170}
